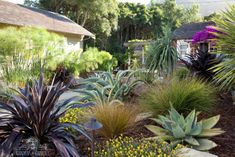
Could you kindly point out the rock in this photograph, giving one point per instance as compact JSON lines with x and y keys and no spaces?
{"x":188,"y":152}
{"x":143,"y":116}
{"x":140,"y":89}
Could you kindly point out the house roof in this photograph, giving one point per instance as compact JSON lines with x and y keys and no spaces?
{"x":20,"y":15}
{"x":188,"y":30}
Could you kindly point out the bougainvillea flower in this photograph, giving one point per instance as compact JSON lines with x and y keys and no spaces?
{"x":208,"y":33}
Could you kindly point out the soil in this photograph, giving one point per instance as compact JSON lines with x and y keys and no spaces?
{"x":225,"y":142}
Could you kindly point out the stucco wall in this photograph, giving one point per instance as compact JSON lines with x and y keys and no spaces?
{"x":73,"y":42}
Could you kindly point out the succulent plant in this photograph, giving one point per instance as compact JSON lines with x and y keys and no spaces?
{"x":34,"y":112}
{"x":105,"y":87}
{"x":178,"y":129}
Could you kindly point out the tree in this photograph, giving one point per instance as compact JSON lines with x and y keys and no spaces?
{"x":212,"y":17}
{"x":98,"y":16}
{"x":174,"y":15}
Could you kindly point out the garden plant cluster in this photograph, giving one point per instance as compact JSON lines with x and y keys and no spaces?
{"x":158,"y":110}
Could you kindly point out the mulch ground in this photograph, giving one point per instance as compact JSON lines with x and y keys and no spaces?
{"x":225,"y":142}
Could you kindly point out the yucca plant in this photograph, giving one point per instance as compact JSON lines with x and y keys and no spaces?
{"x":106,"y":87}
{"x":178,"y":129}
{"x":162,"y":55}
{"x":34,"y":112}
{"x":225,"y":71}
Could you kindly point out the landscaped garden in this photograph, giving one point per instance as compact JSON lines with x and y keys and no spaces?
{"x":86,"y":103}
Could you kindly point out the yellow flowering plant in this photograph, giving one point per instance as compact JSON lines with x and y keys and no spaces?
{"x":74,"y":115}
{"x":130,"y":147}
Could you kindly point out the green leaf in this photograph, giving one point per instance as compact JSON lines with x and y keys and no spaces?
{"x":197,"y":129}
{"x":175,"y":116}
{"x":210,"y":132}
{"x":192,"y":141}
{"x":189,"y":122}
{"x":210,"y":122}
{"x":156,"y":130}
{"x":205,"y":145}
{"x":177,"y":131}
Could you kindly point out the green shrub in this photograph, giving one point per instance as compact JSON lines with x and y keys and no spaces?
{"x":129,"y":147}
{"x":81,"y":62}
{"x":22,"y":51}
{"x":182,"y":73}
{"x":185,"y":95}
{"x":115,"y":118}
{"x":178,"y":129}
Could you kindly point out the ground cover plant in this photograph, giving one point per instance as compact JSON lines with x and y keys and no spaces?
{"x":185,"y":95}
{"x":130,"y":147}
{"x":180,"y":129}
{"x":34,"y":113}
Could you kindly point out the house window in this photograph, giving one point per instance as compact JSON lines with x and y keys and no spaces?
{"x":183,"y":48}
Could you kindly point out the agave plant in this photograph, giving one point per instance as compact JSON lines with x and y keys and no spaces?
{"x":34,"y":112}
{"x":105,"y":87}
{"x":188,"y":130}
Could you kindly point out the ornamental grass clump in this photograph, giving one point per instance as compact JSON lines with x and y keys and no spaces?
{"x":130,"y":147}
{"x":185,"y":95}
{"x":115,"y":118}
{"x":186,"y":130}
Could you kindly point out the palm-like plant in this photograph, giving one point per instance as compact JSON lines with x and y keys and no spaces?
{"x":105,"y":87}
{"x":225,"y":71}
{"x":34,"y":112}
{"x":162,"y":55}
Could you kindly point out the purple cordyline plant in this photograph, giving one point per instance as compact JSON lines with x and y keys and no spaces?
{"x":207,"y":33}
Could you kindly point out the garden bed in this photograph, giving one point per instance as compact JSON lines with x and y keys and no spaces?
{"x":225,"y":142}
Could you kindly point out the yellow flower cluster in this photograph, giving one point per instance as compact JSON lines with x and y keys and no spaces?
{"x":73,"y":116}
{"x":129,"y":147}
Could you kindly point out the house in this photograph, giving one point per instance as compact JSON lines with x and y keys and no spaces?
{"x":19,"y":16}
{"x":183,"y":36}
